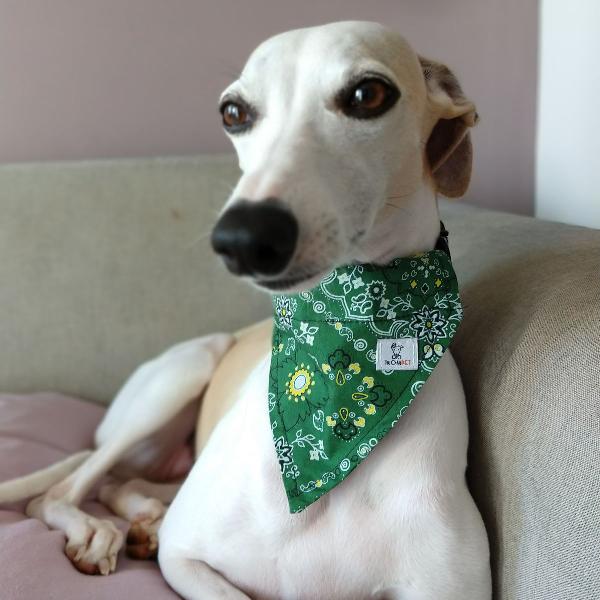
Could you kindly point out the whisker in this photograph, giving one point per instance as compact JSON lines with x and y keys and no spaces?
{"x":392,"y":204}
{"x":402,"y":208}
{"x":197,"y":240}
{"x":226,"y":185}
{"x":408,"y":193}
{"x":203,"y":236}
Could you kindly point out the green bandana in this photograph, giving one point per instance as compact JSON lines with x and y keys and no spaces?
{"x":348,"y":358}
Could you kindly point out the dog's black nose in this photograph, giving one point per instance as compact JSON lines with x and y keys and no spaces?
{"x":256,"y":237}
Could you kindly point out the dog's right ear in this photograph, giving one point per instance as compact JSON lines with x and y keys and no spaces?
{"x":448,"y":147}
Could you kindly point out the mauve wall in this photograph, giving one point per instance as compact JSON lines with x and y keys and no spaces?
{"x":110,"y":78}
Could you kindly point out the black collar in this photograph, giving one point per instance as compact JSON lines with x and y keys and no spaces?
{"x":442,"y":241}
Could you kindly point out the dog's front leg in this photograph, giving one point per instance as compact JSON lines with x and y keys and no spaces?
{"x":195,"y":580}
{"x":143,"y":504}
{"x":156,"y":393}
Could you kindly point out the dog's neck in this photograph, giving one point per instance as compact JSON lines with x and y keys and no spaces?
{"x":410,"y":225}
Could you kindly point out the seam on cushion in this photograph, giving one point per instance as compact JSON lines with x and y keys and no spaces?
{"x":4,"y":435}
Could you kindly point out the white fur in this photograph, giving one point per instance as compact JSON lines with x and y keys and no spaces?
{"x":403,"y":525}
{"x":336,"y":173}
{"x":403,"y":522}
{"x":145,"y":423}
{"x":40,"y":481}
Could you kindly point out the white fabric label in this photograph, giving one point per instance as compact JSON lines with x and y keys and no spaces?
{"x":397,"y":355}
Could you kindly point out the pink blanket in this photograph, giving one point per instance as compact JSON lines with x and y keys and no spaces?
{"x":35,"y":431}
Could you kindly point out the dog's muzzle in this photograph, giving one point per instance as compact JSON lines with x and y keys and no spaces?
{"x":256,"y":238}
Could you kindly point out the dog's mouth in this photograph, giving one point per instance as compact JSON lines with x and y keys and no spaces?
{"x":287,"y":284}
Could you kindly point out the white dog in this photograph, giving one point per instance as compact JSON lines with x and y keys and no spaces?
{"x":344,"y":137}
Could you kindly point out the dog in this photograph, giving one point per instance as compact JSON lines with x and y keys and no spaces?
{"x":344,"y":136}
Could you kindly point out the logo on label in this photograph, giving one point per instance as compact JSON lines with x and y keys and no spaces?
{"x":397,"y":355}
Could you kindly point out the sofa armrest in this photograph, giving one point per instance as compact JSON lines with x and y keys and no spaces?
{"x":529,"y":355}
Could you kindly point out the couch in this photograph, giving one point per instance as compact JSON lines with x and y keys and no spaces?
{"x":106,"y":263}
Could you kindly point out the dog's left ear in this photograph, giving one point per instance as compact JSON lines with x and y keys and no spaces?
{"x":448,"y":149}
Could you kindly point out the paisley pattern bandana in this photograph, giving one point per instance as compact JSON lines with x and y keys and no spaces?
{"x":348,"y":358}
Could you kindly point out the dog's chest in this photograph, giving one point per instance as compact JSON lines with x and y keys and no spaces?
{"x":247,"y":532}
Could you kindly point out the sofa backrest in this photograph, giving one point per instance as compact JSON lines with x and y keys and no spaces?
{"x":104,"y":264}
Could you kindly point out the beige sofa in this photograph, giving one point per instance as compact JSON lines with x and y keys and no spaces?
{"x":105,"y":264}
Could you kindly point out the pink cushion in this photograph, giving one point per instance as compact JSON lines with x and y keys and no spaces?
{"x":35,"y":431}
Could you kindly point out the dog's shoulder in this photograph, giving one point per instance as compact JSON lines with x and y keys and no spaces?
{"x":252,"y":344}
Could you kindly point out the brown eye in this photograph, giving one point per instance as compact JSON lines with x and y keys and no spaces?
{"x":368,"y":99}
{"x":369,"y":95}
{"x":234,"y":114}
{"x":236,"y":117}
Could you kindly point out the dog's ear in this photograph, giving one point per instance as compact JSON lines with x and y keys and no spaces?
{"x":448,"y":148}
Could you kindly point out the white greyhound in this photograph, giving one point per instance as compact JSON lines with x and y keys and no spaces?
{"x":349,"y":135}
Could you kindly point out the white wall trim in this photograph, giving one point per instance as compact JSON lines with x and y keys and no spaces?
{"x":568,"y":132}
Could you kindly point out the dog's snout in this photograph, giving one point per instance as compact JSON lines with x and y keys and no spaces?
{"x":256,"y":237}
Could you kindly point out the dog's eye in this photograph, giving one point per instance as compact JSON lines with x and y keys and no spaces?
{"x":236,"y":116}
{"x":369,"y":98}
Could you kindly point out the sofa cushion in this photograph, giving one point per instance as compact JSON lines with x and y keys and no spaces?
{"x":35,"y":431}
{"x":529,"y":355}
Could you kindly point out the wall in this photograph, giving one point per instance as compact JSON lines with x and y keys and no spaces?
{"x":568,"y":156}
{"x":111,"y":78}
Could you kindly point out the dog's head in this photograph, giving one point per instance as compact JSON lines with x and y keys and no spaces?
{"x":338,"y":130}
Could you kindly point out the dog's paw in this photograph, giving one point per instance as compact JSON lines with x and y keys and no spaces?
{"x":93,"y":545}
{"x":142,"y":539}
